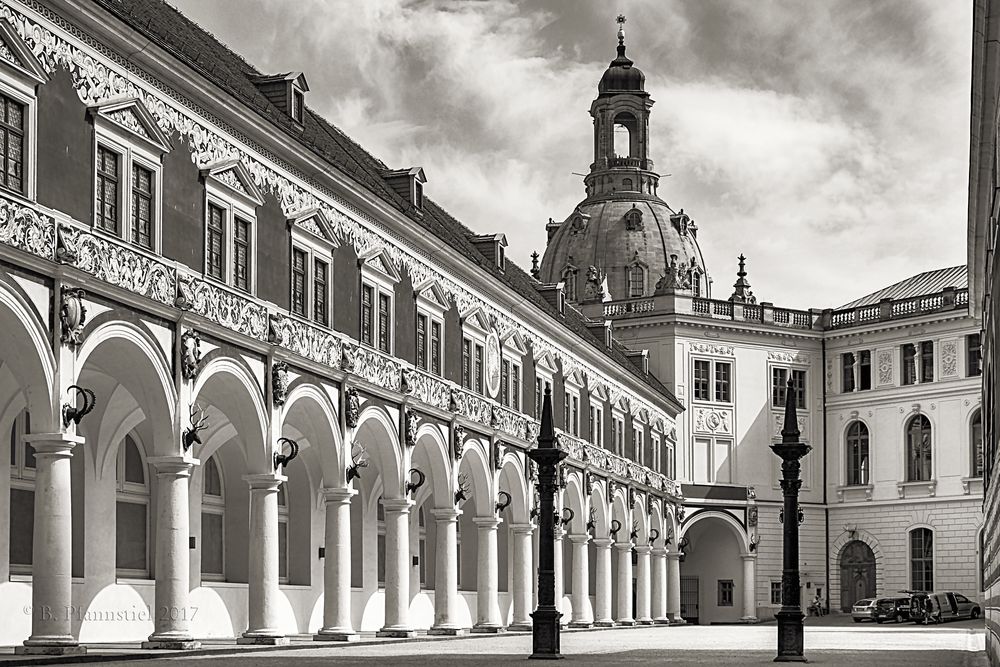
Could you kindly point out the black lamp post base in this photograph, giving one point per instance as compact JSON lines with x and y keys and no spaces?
{"x":790,"y":636}
{"x":545,"y":634}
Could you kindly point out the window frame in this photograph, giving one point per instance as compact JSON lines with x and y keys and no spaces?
{"x":22,"y":477}
{"x":974,"y":473}
{"x":863,"y":437}
{"x":596,"y":430}
{"x":133,"y":493}
{"x":375,"y":273}
{"x":283,"y":518}
{"x":20,"y":85}
{"x":431,"y":304}
{"x":907,"y":429}
{"x":713,"y":379}
{"x":727,"y":593}
{"x":973,"y":355}
{"x":131,"y":152}
{"x":779,"y":390}
{"x":216,"y":506}
{"x":910,"y":559}
{"x":233,"y":204}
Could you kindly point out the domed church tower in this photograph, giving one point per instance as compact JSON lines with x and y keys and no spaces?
{"x":622,"y":241}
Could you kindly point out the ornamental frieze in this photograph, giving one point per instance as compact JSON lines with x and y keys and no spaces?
{"x":509,"y":422}
{"x":377,"y":368}
{"x":306,"y":340}
{"x":712,"y":348}
{"x":709,"y":420}
{"x":99,"y":76}
{"x":471,"y":406}
{"x":118,"y":265}
{"x":25,"y":229}
{"x":788,"y":357}
{"x":221,"y":306}
{"x":429,"y":389}
{"x":779,"y":422}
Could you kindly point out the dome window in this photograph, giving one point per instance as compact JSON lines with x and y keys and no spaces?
{"x":633,"y":219}
{"x":627,"y":184}
{"x":636,"y":274}
{"x":569,"y":280}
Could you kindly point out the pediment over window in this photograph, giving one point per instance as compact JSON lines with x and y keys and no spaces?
{"x":314,"y":221}
{"x":514,"y":342}
{"x":15,"y":55}
{"x":600,"y":390}
{"x":378,"y":260}
{"x":132,"y":116}
{"x":546,"y":363}
{"x":476,"y":319}
{"x":432,"y":292}
{"x":235,"y":177}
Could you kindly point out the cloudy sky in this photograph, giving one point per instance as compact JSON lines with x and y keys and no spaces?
{"x":828,"y":140}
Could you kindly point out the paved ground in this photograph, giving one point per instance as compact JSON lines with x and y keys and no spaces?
{"x":829,"y":641}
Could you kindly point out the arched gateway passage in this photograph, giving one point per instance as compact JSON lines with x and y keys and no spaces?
{"x":857,"y":574}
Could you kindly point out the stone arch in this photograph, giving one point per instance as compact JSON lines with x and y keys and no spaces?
{"x":512,"y":480}
{"x":657,"y":522}
{"x":641,"y":519}
{"x":476,"y":465}
{"x":728,"y":519}
{"x":228,"y":386}
{"x":851,"y":534}
{"x":309,"y":411}
{"x":430,"y":455}
{"x":377,"y":431}
{"x":32,"y":361}
{"x":620,"y":512}
{"x":574,"y":499}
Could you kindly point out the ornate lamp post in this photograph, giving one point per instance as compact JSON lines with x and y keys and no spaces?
{"x":790,"y":640}
{"x":545,"y":620}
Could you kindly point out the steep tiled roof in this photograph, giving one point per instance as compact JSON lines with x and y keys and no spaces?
{"x":201,"y":51}
{"x":928,"y":282}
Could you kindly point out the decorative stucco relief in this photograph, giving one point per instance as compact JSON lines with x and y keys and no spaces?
{"x":884,"y":367}
{"x":712,"y":348}
{"x":788,"y":357}
{"x":709,"y":420}
{"x":949,"y":358}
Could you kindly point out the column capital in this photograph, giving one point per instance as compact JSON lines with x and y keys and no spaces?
{"x":747,"y":557}
{"x":674,"y":555}
{"x":623,"y":546}
{"x":397,"y":505}
{"x":579,"y":538}
{"x":177,"y":466}
{"x":659,"y":552}
{"x":446,"y":514}
{"x":341,"y":494}
{"x":603,"y":542}
{"x":488,"y":522}
{"x":522,"y":528}
{"x":643,"y":549}
{"x":54,"y":445}
{"x":267,"y":481}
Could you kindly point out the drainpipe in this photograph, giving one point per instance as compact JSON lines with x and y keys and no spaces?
{"x":826,"y":507}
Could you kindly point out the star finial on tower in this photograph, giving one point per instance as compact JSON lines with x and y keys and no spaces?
{"x":621,"y":29}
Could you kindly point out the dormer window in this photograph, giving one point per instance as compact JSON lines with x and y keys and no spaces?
{"x":286,"y":92}
{"x":492,"y":246}
{"x":408,"y":184}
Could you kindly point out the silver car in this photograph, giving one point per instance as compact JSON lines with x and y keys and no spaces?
{"x":863,"y":610}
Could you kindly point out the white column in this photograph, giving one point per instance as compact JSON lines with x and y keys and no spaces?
{"x":582,"y":616}
{"x":749,"y":588}
{"x":262,"y":585}
{"x":446,"y":573}
{"x":643,"y":586}
{"x":660,"y":585}
{"x":52,"y":548}
{"x":171,"y":628}
{"x":624,"y":611}
{"x":602,"y":614}
{"x":522,"y":576}
{"x":487,"y":603}
{"x":557,"y":562}
{"x":674,"y":587}
{"x":337,"y":625}
{"x":397,"y":568}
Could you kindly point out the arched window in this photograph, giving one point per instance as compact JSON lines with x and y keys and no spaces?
{"x":213,"y":522}
{"x":857,"y":454}
{"x":22,"y":495}
{"x":636,"y":281}
{"x":625,"y":135}
{"x":282,"y":535}
{"x":922,"y":559}
{"x":918,"y":449}
{"x":569,"y":283}
{"x":696,"y":283}
{"x":976,"y":441}
{"x":132,"y":511}
{"x":627,"y":184}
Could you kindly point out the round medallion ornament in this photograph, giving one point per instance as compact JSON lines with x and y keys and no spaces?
{"x":492,"y":363}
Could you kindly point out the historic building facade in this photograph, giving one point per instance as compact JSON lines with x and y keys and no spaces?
{"x":984,"y":284}
{"x":886,"y":388}
{"x":219,"y":312}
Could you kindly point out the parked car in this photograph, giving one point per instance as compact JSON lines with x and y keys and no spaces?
{"x":892,"y":609}
{"x":863,"y":610}
{"x":940,"y":607}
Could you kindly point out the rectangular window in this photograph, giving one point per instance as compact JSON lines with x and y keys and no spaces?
{"x":779,"y":380}
{"x":702,"y":380}
{"x":619,"y":435}
{"x":22,"y":525}
{"x":107,"y":190}
{"x":973,"y":356}
{"x":723,"y":376}
{"x":467,"y":364}
{"x":384,"y":326}
{"x":671,"y":462}
{"x":142,"y":207}
{"x":927,"y":361}
{"x":282,"y":551}
{"x":909,"y":363}
{"x":775,"y":592}
{"x":421,"y":341}
{"x":865,"y":370}
{"x":298,"y":282}
{"x":725,"y":592}
{"x":505,"y":382}
{"x":436,"y":348}
{"x":130,"y":547}
{"x":575,"y":421}
{"x":320,"y":272}
{"x":799,"y":387}
{"x":241,"y":254}
{"x":211,"y":544}
{"x":847,"y":372}
{"x":479,"y":368}
{"x":216,"y":242}
{"x":515,"y":386}
{"x":297,"y":103}
{"x":922,"y":559}
{"x":367,"y":314}
{"x":12,"y":136}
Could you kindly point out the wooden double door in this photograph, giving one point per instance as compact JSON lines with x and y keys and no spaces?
{"x":857,"y":574}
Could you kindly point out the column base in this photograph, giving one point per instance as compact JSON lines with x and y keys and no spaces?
{"x":626,"y":623}
{"x":661,"y":621}
{"x":401,"y":633}
{"x":50,"y":649}
{"x":447,"y":631}
{"x":488,"y":629}
{"x":171,"y":645}
{"x":644,"y":621}
{"x":604,"y":624}
{"x":336,"y":636}
{"x":519,"y":627}
{"x":749,"y":619}
{"x":580,"y":624}
{"x":263,"y":640}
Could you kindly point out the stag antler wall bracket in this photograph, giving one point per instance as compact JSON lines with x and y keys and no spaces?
{"x":280,"y":459}
{"x":73,"y":413}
